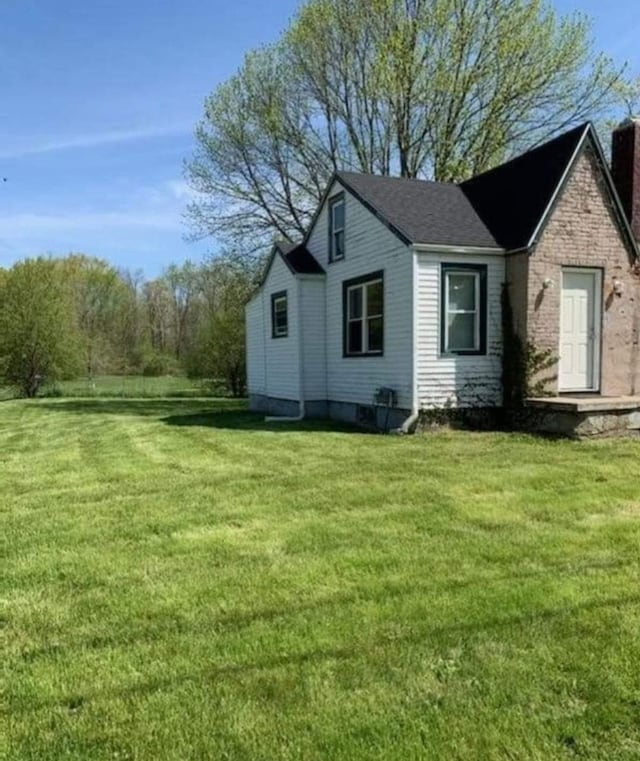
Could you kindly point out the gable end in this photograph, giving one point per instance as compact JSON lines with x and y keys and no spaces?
{"x":337,"y":178}
{"x":590,"y":141}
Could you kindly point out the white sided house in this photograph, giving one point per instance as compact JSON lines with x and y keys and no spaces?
{"x":393,"y":302}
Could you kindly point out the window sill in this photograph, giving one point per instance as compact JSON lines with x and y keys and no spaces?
{"x":360,"y":356}
{"x":455,"y":354}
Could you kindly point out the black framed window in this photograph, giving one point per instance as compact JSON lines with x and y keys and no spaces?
{"x":363,"y":316}
{"x":279,"y":315}
{"x":336,"y":227}
{"x":463,"y":319}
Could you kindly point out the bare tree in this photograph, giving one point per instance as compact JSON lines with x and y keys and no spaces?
{"x":438,"y":89}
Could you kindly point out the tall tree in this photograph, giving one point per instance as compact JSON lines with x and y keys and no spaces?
{"x":39,"y":337}
{"x":439,"y":89}
{"x":182,"y":285}
{"x":100,"y":294}
{"x":218,"y":350}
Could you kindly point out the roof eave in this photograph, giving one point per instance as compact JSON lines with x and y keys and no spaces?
{"x":337,"y":177}
{"x":434,"y":248}
{"x":275,"y":250}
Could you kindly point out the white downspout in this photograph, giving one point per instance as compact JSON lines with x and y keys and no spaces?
{"x":301,"y":409}
{"x":410,"y":422}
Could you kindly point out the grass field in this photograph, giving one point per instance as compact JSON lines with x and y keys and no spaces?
{"x":127,"y":387}
{"x":134,"y":386}
{"x":179,"y":580}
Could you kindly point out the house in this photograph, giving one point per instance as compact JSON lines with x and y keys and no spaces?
{"x":393,"y":303}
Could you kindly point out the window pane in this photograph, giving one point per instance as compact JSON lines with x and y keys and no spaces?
{"x":338,"y":245}
{"x":280,"y":317}
{"x":338,"y":215}
{"x":355,"y":337}
{"x":355,"y":302}
{"x":462,"y":332}
{"x":374,"y":299}
{"x":462,"y":292}
{"x":375,"y":334}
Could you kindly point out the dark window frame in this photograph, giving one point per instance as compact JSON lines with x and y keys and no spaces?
{"x":275,"y":297}
{"x":347,"y":285}
{"x":481,"y":271}
{"x":339,"y":198}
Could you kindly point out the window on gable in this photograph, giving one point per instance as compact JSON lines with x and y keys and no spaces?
{"x":336,"y":228}
{"x":463,"y":327}
{"x":363,"y":316}
{"x":279,"y":315}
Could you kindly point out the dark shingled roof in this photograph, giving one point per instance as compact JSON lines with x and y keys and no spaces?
{"x":501,"y":208}
{"x":512,"y":198}
{"x":299,"y":259}
{"x":419,"y":211}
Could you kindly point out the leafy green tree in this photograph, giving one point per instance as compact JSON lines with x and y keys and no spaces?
{"x":100,"y":295}
{"x":219,"y":348}
{"x":438,"y":89}
{"x":39,"y":337}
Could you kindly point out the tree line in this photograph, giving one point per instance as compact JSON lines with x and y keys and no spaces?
{"x":79,"y":316}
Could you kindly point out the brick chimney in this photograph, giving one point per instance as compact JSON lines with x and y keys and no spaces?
{"x":625,"y":167}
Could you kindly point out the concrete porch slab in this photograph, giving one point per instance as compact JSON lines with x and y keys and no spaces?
{"x":584,"y":415}
{"x":585,"y":404}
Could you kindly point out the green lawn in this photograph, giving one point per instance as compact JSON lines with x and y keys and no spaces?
{"x":179,"y":580}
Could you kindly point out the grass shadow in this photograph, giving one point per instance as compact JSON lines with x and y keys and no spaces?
{"x":243,"y":420}
{"x":144,"y":407}
{"x":227,"y":414}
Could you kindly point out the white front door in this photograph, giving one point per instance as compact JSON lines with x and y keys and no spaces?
{"x":580,"y":330}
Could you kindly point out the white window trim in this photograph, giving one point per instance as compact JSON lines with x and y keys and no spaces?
{"x":279,"y":331}
{"x":366,"y":317}
{"x":336,"y":230}
{"x":476,"y":312}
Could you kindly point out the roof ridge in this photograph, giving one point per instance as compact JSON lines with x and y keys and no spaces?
{"x":418,"y":180}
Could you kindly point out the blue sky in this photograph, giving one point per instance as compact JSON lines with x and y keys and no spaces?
{"x":99,"y":101}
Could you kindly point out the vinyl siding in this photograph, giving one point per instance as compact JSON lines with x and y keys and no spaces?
{"x":256,"y":377}
{"x":314,"y":356}
{"x":280,"y":378}
{"x":369,"y":247}
{"x":457,"y":381}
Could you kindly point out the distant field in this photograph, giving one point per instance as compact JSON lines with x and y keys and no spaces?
{"x":180,"y":580}
{"x":130,"y":386}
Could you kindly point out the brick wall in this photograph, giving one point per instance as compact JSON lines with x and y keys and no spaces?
{"x":583,"y":232}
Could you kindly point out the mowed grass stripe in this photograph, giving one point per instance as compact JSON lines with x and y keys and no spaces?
{"x":181,"y":580}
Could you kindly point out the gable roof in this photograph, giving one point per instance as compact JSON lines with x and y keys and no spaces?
{"x":418,"y":211}
{"x":504,"y":209}
{"x":297,"y":258}
{"x":512,"y":199}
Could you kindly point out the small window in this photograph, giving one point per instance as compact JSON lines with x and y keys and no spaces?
{"x":364,"y":316}
{"x":279,"y":315}
{"x":464,"y":298}
{"x":336,"y":228}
